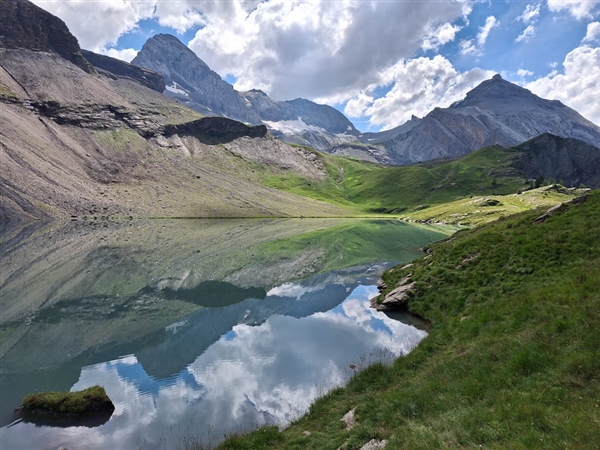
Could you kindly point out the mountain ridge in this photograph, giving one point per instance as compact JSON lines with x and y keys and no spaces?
{"x":191,"y":81}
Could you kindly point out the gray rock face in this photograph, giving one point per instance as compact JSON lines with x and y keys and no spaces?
{"x":148,"y":78}
{"x":24,"y":25}
{"x":563,"y":159}
{"x":495,"y":112}
{"x":191,"y":81}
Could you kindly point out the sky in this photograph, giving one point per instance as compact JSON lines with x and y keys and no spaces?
{"x":379,"y":62}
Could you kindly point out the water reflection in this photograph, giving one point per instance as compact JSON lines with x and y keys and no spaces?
{"x":217,"y":341}
{"x":252,"y":375}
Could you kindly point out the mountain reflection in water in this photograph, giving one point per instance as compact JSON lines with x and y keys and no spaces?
{"x":209,"y":349}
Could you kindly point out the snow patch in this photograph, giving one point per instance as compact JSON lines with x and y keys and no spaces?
{"x":293,"y":126}
{"x":176,"y":89}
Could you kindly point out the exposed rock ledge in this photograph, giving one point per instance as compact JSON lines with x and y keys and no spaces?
{"x":210,"y":130}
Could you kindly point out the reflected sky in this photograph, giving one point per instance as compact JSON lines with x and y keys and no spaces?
{"x":254,"y":374}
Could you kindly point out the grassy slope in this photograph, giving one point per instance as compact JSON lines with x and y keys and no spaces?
{"x":513,"y":360}
{"x":477,"y":210}
{"x":368,"y":187}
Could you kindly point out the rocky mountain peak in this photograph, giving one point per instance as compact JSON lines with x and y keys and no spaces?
{"x":497,"y":92}
{"x":189,"y":80}
{"x":26,"y":26}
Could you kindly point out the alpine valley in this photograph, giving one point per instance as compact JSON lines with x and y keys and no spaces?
{"x":156,"y":224}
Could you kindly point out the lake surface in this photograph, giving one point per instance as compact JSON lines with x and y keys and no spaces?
{"x":194,"y":328}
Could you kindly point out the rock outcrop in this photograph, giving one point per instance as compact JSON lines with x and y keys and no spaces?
{"x":215,"y":130}
{"x":122,"y":69}
{"x":27,"y":26}
{"x":569,"y":161}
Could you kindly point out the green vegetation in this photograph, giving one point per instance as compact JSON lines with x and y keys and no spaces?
{"x":365,"y":187}
{"x":512,"y":361}
{"x":478,"y":210}
{"x":92,"y":399}
{"x":6,"y":91}
{"x":356,"y":242}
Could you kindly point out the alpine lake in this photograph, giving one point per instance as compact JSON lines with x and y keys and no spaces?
{"x":195,"y":328}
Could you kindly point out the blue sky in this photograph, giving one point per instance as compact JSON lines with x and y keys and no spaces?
{"x":377,"y":61}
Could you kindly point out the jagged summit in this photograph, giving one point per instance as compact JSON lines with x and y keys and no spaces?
{"x":191,"y":81}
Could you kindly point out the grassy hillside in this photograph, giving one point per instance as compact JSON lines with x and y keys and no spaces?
{"x":512,"y":361}
{"x":368,"y":187}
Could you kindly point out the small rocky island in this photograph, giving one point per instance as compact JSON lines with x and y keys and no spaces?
{"x":67,"y":407}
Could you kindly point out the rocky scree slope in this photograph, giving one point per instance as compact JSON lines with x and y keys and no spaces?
{"x":192,"y":82}
{"x":496,"y":112}
{"x":78,"y":143}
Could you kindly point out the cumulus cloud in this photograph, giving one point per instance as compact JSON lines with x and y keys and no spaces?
{"x":526,"y":35}
{"x":530,"y":14}
{"x":580,"y":9}
{"x":578,"y":86}
{"x":126,"y":54}
{"x":419,"y":85}
{"x":593,"y":32}
{"x":442,"y":35}
{"x":318,"y":49}
{"x":98,"y":25}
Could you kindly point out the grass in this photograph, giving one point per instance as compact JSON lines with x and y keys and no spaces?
{"x":512,"y":361}
{"x":481,"y":209}
{"x":365,"y":187}
{"x":89,"y":400}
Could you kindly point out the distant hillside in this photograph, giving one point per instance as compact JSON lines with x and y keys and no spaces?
{"x":488,"y":171}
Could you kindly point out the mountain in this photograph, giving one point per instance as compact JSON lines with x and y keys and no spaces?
{"x":99,"y":143}
{"x":496,"y":112}
{"x":193,"y":83}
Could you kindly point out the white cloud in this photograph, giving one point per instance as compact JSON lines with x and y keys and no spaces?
{"x":467,"y":47}
{"x":484,"y":32}
{"x":580,"y":9}
{"x":524,"y":73}
{"x":442,"y":35}
{"x":357,"y":106}
{"x":126,"y":54}
{"x":418,"y":86}
{"x":526,"y":35}
{"x":318,"y":49}
{"x":530,"y":14}
{"x":578,"y":86}
{"x":98,"y":25}
{"x":593,"y":32}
